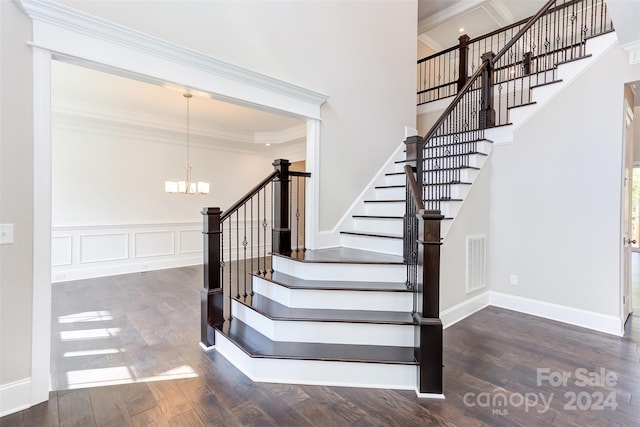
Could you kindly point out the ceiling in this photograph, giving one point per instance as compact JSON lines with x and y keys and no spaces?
{"x":440,"y":21}
{"x":87,"y":93}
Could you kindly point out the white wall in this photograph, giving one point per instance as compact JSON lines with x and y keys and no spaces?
{"x":16,"y":205}
{"x":555,"y":197}
{"x":110,"y":214}
{"x":361,"y":54}
{"x":471,"y":220}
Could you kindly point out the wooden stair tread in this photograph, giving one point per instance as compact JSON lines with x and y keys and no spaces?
{"x":292,"y":282}
{"x":277,"y":311}
{"x":443,"y":199}
{"x":576,"y":58}
{"x":522,"y":105}
{"x":427,"y":145}
{"x":341,"y":255}
{"x":446,"y":183}
{"x":546,"y":83}
{"x":257,"y":345}
{"x":435,"y":170}
{"x":469,"y":153}
{"x":370,"y":234}
{"x":377,"y":216}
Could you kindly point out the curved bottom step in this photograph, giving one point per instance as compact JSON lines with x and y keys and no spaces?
{"x":263,"y":360}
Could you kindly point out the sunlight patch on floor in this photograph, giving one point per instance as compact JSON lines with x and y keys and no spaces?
{"x":122,"y":375}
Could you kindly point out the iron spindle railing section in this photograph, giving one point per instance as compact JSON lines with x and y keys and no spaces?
{"x":558,"y":35}
{"x":245,"y":245}
{"x":438,"y":75}
{"x":239,"y":243}
{"x":447,"y":153}
{"x":410,"y":250}
{"x":297,"y":208}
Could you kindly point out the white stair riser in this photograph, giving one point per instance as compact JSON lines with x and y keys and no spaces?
{"x":325,"y":332}
{"x":460,"y":191}
{"x":448,"y":209}
{"x":340,"y":272}
{"x":389,"y":226}
{"x":475,"y":160}
{"x":334,"y":299}
{"x":395,"y":180}
{"x":316,"y":372}
{"x":372,"y":243}
{"x":457,"y":191}
{"x":385,"y":209}
{"x":394,"y":193}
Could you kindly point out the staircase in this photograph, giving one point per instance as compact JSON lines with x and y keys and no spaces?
{"x":365,"y":313}
{"x":331,"y":316}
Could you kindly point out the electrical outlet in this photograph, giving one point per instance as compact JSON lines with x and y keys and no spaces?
{"x":6,"y":234}
{"x":513,"y":279}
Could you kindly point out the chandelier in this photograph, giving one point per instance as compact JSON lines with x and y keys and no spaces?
{"x":187,"y":186}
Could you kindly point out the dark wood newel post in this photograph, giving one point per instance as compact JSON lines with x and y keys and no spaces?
{"x":281,"y":230}
{"x":463,"y":54}
{"x":487,"y":113}
{"x":427,"y":317}
{"x":211,"y":296}
{"x":414,"y":155}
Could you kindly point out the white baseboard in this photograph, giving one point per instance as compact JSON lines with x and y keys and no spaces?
{"x":15,"y":396}
{"x":91,"y":272}
{"x":573,"y":316}
{"x":454,"y":314}
{"x":561,"y":313}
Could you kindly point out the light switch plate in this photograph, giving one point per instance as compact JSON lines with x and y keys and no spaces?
{"x":6,"y":234}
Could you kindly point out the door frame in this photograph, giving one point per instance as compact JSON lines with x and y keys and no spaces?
{"x":62,"y":33}
{"x":626,"y":301}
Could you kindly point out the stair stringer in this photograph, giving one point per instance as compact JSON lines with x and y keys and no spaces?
{"x":332,"y":238}
{"x":567,"y":73}
{"x":318,"y":372}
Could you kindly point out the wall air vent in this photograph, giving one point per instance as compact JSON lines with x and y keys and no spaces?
{"x":476,"y":262}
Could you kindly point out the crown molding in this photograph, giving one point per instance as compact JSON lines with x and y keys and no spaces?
{"x":633,"y":50}
{"x":68,"y":18}
{"x":279,"y":137}
{"x":444,"y":15}
{"x":425,"y":39}
{"x":144,"y":126}
{"x":499,"y":13}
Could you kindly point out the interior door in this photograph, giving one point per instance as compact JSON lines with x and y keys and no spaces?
{"x":628,"y":241}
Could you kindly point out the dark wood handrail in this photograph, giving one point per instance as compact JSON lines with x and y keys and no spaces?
{"x":413,"y":188}
{"x":247,"y":196}
{"x":298,"y":173}
{"x":495,"y":32}
{"x":454,"y":102}
{"x":442,"y":52}
{"x":523,"y":30}
{"x":520,"y":22}
{"x":480,"y":69}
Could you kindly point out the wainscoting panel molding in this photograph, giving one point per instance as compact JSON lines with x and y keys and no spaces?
{"x":61,"y":250}
{"x":154,"y":243}
{"x":190,"y":241}
{"x":82,"y":252}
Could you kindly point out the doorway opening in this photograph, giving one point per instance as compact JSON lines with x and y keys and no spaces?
{"x":126,"y":256}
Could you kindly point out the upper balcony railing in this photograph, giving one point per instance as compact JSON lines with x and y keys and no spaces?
{"x":560,"y":35}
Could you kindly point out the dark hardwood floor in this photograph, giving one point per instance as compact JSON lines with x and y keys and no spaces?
{"x":140,"y":332}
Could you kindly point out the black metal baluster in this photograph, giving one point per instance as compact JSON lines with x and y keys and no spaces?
{"x":244,"y":253}
{"x":222,"y":265}
{"x":237,"y":255}
{"x":264,"y":229}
